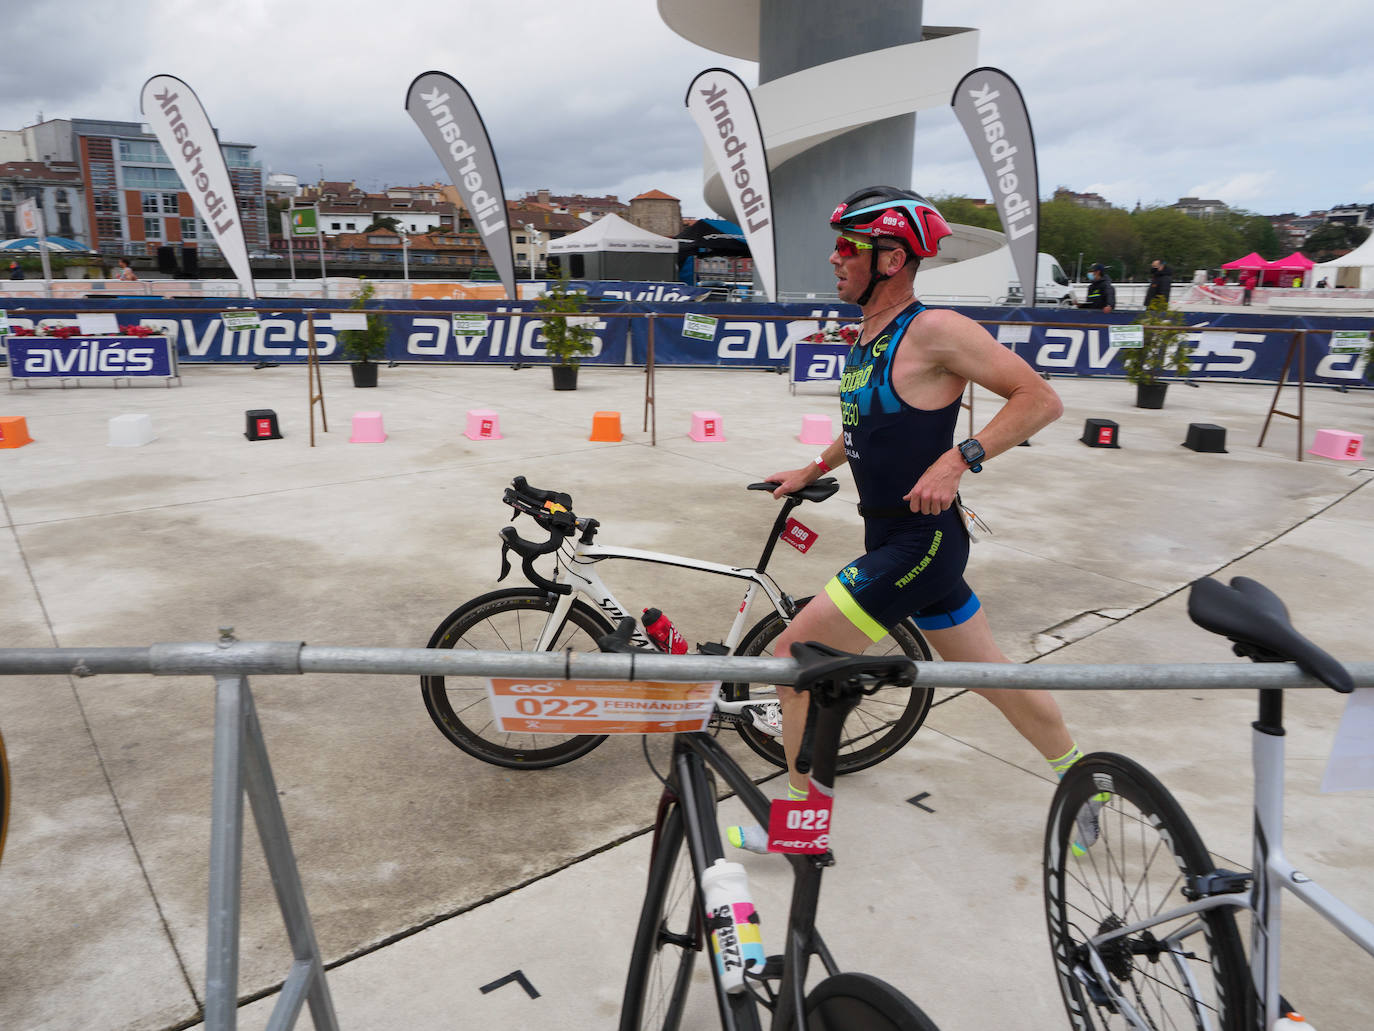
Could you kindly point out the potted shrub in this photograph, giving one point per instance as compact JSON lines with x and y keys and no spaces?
{"x":364,"y":347}
{"x":1164,"y":352}
{"x":565,"y":339}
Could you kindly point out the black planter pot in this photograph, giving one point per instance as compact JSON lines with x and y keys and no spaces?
{"x":364,"y":374}
{"x":564,"y":377}
{"x":1150,"y":395}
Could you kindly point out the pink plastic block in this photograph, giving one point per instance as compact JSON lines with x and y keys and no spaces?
{"x":483,"y":424}
{"x":1338,"y":444}
{"x":367,"y":428}
{"x":706,"y":426}
{"x":816,"y":430}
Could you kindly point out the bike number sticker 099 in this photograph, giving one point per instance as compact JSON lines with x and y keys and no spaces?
{"x":600,"y":706}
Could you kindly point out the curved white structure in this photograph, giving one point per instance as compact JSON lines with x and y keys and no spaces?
{"x":812,"y":106}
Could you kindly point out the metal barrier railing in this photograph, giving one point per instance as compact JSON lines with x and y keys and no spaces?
{"x":241,"y":766}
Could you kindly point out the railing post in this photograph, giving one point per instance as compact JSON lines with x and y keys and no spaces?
{"x":226,"y":857}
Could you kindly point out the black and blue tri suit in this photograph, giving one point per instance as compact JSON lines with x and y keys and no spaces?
{"x":913,"y":564}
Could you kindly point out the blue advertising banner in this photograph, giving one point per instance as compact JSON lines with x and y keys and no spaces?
{"x":107,"y":356}
{"x":1228,"y":346}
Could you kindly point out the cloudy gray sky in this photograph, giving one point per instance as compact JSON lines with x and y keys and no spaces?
{"x":1264,"y":106}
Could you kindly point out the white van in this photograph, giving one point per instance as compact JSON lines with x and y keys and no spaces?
{"x":990,"y":277}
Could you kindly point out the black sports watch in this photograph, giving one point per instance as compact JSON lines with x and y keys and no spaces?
{"x":973,"y":454}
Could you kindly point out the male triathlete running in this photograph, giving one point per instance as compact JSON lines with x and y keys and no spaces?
{"x":899,"y":402}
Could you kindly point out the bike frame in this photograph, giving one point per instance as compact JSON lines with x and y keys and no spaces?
{"x":1271,"y":872}
{"x":578,"y":570}
{"x":691,"y":787}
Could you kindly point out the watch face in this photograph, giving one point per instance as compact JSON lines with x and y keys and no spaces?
{"x":972,"y":451}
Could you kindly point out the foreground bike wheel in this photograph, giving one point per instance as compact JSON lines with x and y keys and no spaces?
{"x":4,"y":795}
{"x":669,"y":939}
{"x":880,"y":725}
{"x":1188,"y":973}
{"x":509,"y":620}
{"x":848,"y":1001}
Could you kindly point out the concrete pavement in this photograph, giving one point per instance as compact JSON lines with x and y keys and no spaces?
{"x":430,"y":874}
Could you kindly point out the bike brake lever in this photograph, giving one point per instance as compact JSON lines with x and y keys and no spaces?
{"x":505,"y":562}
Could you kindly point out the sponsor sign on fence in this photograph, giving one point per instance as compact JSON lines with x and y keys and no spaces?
{"x":104,"y":357}
{"x":1061,"y":343}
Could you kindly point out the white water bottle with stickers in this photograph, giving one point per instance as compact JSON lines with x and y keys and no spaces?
{"x":733,"y":922}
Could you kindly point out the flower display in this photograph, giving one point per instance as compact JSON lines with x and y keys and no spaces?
{"x":833,"y":333}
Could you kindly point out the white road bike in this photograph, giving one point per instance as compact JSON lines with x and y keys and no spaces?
{"x":576,"y":609}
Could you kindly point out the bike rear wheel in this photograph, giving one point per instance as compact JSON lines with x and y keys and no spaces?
{"x":1187,"y":973}
{"x":881,"y":723}
{"x":509,"y":620}
{"x":846,"y":1001}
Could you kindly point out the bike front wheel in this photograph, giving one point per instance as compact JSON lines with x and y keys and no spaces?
{"x":509,"y":620}
{"x":670,"y":937}
{"x":846,"y":1001}
{"x":1184,"y":973}
{"x":879,"y":725}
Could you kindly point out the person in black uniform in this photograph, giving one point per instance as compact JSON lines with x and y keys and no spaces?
{"x":1161,"y":282}
{"x":899,"y":405}
{"x":1101,"y":293}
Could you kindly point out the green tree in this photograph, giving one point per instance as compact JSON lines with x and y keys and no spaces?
{"x":364,"y":345}
{"x":965,"y":212}
{"x":386,"y":223}
{"x":1069,"y":231}
{"x":564,"y":339}
{"x":1332,"y":240}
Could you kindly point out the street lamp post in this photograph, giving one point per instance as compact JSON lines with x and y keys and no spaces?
{"x":536,"y":237}
{"x":405,"y":253}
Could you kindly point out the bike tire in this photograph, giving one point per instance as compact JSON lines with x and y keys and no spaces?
{"x":881,"y":723}
{"x":1145,"y":854}
{"x":671,"y":939}
{"x":4,"y":796}
{"x":508,"y":620}
{"x":851,"y":1001}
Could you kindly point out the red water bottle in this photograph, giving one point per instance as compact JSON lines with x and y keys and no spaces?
{"x":662,"y":632}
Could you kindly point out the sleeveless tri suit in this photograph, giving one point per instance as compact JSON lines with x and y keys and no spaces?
{"x":913,"y":564}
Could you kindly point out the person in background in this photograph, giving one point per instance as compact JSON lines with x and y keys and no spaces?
{"x":125,"y":271}
{"x":1247,"y":283}
{"x":15,"y":271}
{"x":1101,"y":293}
{"x":1161,"y":282}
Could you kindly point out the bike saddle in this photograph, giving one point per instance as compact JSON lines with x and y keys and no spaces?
{"x":817,"y":491}
{"x":1256,"y":622}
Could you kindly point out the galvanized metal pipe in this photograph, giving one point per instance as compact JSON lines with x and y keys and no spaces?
{"x":248,"y":658}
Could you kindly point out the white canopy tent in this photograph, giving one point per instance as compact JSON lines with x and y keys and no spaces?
{"x":1354,"y":271}
{"x":612,"y":248}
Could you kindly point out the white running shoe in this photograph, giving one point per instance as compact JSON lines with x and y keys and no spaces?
{"x":767,"y":717}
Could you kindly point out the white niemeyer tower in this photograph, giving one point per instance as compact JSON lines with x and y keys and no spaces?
{"x":839,"y":86}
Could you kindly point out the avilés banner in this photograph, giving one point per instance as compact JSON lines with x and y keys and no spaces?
{"x":724,"y":112}
{"x":450,"y":123}
{"x":990,"y":108}
{"x":180,"y":124}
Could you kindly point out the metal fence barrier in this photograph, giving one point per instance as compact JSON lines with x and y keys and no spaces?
{"x":242,"y":768}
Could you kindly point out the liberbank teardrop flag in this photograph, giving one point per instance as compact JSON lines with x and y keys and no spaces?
{"x":180,"y":124}
{"x":724,"y":112}
{"x":990,"y":108}
{"x":449,"y":120}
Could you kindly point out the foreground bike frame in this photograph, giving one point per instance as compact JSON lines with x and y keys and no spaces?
{"x":1124,"y":956}
{"x":687,"y":809}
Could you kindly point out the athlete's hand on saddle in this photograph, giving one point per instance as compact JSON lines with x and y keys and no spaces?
{"x":791,"y":481}
{"x":935,"y":490}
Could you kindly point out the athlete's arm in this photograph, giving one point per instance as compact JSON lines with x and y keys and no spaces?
{"x":795,"y":479}
{"x":959,"y":346}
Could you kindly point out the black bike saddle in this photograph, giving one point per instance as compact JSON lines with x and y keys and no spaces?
{"x":818,"y":491}
{"x":1254,"y":619}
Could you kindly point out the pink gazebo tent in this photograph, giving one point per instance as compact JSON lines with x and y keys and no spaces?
{"x":1282,"y":271}
{"x":1251,"y":261}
